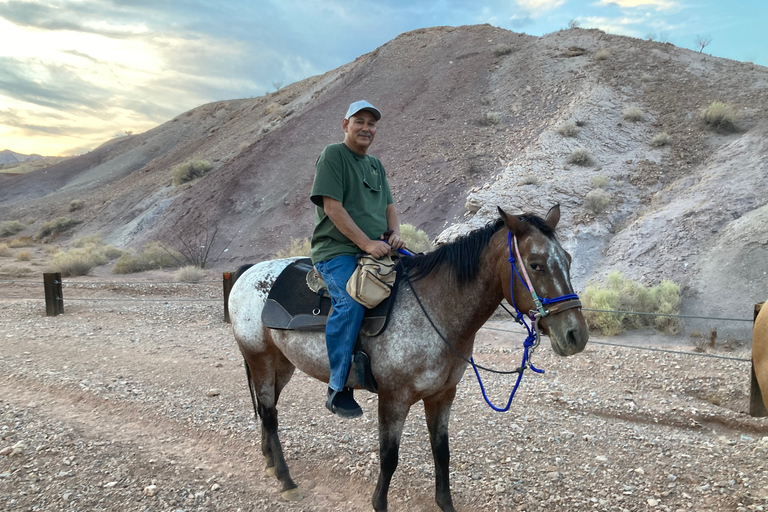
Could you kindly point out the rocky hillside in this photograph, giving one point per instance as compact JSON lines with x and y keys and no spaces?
{"x":9,"y":157}
{"x":473,"y":118}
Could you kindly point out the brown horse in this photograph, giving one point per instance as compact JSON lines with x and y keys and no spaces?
{"x":759,"y":401}
{"x":460,"y":285}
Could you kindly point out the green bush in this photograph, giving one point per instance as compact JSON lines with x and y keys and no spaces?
{"x":619,"y":293}
{"x":76,"y":204}
{"x":10,"y":227}
{"x":597,"y":200}
{"x":189,"y":274}
{"x":493,"y":118}
{"x":600,"y":181}
{"x":297,"y":247}
{"x":502,"y":50}
{"x":415,"y":239}
{"x":188,"y":171}
{"x":568,"y":130}
{"x":633,"y":114}
{"x":660,"y":139}
{"x":721,"y":116}
{"x":56,"y":226}
{"x":580,"y":156}
{"x":153,"y":256}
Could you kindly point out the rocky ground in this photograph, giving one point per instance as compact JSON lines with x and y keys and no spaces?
{"x":122,"y":404}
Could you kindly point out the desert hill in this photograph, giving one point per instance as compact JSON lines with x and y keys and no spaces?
{"x":472,"y":119}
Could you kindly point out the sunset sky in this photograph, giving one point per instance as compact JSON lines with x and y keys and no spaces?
{"x":76,"y":73}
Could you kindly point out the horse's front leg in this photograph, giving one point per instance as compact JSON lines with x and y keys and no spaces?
{"x":392,"y":414}
{"x":437,"y":409}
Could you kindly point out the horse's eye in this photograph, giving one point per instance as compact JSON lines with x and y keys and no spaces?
{"x":537,"y":267}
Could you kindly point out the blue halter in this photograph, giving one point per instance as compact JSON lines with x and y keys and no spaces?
{"x":532,"y":341}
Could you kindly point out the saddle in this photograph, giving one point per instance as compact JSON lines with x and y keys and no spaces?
{"x":298,"y":300}
{"x":293,"y":305}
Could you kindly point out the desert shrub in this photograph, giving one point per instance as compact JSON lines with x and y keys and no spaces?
{"x":530,"y":179}
{"x":600,"y":181}
{"x":56,"y":226}
{"x":4,"y":250}
{"x":597,"y":200}
{"x":10,"y":227}
{"x":580,"y":156}
{"x":188,"y":171}
{"x":493,"y":118}
{"x":568,"y":130}
{"x":602,"y":54}
{"x":297,"y":247}
{"x":188,"y":274}
{"x":76,"y":204}
{"x":660,"y":139}
{"x":633,"y":114}
{"x":415,"y":239}
{"x":721,"y":116}
{"x":22,"y":241}
{"x":50,"y":250}
{"x":152,"y":256}
{"x":81,"y":259}
{"x":94,"y":239}
{"x":502,"y":50}
{"x":619,"y":293}
{"x":24,"y":255}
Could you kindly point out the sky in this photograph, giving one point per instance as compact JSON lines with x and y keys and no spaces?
{"x":76,"y":73}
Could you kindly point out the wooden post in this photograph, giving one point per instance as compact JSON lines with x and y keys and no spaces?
{"x":228,"y":281}
{"x":756,"y":404}
{"x":54,"y":299}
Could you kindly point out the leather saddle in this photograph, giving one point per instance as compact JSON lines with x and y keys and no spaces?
{"x":293,"y":305}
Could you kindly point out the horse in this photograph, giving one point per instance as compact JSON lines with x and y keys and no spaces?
{"x":758,"y":405}
{"x":450,"y":293}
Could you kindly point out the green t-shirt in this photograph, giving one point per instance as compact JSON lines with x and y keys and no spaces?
{"x":360,"y":184}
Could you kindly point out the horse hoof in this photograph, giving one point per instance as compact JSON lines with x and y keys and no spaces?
{"x":270,"y":471}
{"x":292,"y":495}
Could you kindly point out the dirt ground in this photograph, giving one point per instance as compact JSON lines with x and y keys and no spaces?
{"x":136,"y":399}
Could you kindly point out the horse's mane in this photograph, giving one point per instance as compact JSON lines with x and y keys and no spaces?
{"x":463,"y":254}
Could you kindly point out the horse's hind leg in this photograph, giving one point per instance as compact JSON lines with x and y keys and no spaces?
{"x":438,"y":410}
{"x":267,"y":376}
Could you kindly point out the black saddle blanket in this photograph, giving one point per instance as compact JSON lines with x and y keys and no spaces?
{"x":292,"y":305}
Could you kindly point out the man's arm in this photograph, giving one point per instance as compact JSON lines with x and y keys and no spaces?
{"x":344,"y":223}
{"x":392,"y":223}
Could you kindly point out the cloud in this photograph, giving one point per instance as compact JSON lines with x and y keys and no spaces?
{"x":656,"y":4}
{"x":520,"y":21}
{"x":538,"y":7}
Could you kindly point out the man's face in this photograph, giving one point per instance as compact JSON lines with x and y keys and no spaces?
{"x":360,"y":130}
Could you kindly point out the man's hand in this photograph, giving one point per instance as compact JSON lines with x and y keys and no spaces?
{"x":394,"y":240}
{"x":377,"y":248}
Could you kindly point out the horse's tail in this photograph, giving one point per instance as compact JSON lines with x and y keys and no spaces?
{"x":240,"y":271}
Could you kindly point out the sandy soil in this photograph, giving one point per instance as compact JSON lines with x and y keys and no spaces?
{"x":121,"y":404}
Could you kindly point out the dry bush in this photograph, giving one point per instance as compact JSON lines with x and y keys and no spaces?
{"x":297,"y":247}
{"x":580,"y":156}
{"x":80,"y":260}
{"x":529,"y":179}
{"x":602,"y":54}
{"x":4,"y":250}
{"x":24,"y":255}
{"x":619,"y":293}
{"x":76,"y":204}
{"x":188,"y":171}
{"x":15,"y":271}
{"x":10,"y":227}
{"x":492,"y":118}
{"x":415,"y":239}
{"x":189,"y":274}
{"x":50,"y":250}
{"x":94,"y":239}
{"x":600,"y":181}
{"x":597,"y":200}
{"x":152,"y":256}
{"x":22,"y":241}
{"x":633,"y":114}
{"x":660,"y":139}
{"x":721,"y":116}
{"x":568,"y":130}
{"x":502,"y":50}
{"x":56,"y":226}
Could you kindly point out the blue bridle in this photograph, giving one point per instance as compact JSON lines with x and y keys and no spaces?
{"x":568,"y":301}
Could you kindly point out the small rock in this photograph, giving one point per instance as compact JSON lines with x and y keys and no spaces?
{"x":213,"y":392}
{"x":215,"y":487}
{"x":150,"y":490}
{"x":652,"y":502}
{"x":640,"y":471}
{"x":6,"y":451}
{"x":109,"y":485}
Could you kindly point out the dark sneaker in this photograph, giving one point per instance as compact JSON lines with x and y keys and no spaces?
{"x":342,"y":403}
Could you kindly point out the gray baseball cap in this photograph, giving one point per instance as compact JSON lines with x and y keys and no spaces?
{"x":357,"y":106}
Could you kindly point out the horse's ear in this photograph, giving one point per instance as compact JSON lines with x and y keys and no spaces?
{"x":515,"y":225}
{"x":553,"y":217}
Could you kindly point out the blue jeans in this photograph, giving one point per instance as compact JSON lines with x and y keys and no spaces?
{"x":345,"y":319}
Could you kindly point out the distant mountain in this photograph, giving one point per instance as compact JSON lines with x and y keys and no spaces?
{"x":9,"y":157}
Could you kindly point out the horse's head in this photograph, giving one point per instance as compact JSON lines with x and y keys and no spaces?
{"x":548,"y":266}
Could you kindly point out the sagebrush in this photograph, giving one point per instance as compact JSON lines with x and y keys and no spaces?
{"x":619,"y":293}
{"x":56,"y":226}
{"x":152,"y":256}
{"x":10,"y":227}
{"x":188,"y":274}
{"x":88,"y":252}
{"x":415,"y":239}
{"x":633,"y":114}
{"x":580,"y":156}
{"x":568,"y":130}
{"x":660,"y":139}
{"x":188,"y":171}
{"x":721,"y":116}
{"x":597,"y":200}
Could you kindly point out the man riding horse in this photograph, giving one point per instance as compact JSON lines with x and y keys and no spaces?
{"x":354,"y":207}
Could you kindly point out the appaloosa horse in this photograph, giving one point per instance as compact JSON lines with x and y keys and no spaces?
{"x":758,"y":405}
{"x":459,"y":285}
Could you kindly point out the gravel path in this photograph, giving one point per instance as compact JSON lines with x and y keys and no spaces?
{"x":125,"y":405}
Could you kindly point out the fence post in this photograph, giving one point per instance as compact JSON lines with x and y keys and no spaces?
{"x":756,"y":405}
{"x":54,"y":299}
{"x":227,"y":288}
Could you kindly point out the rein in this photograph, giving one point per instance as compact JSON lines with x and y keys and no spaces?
{"x":533,"y":339}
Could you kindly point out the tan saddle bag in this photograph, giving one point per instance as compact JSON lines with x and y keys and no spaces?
{"x":372,"y":280}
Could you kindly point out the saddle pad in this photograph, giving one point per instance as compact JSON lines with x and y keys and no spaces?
{"x":290,"y":304}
